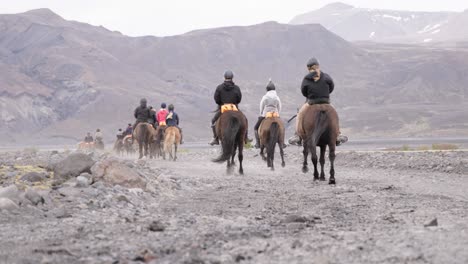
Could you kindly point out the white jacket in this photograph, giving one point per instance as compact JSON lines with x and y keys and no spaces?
{"x":270,"y":103}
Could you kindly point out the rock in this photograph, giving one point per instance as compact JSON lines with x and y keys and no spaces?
{"x":7,"y":204}
{"x":449,"y":169}
{"x":73,"y":166}
{"x":82,"y":182}
{"x":34,"y":197}
{"x":295,"y":219}
{"x":433,"y":222}
{"x":69,"y":192}
{"x":123,"y":198}
{"x":33,"y":177}
{"x":60,"y":212}
{"x":113,"y":172}
{"x":156,"y":226}
{"x":10,"y":192}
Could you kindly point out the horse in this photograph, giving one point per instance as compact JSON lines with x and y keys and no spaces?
{"x":86,"y":146}
{"x":271,"y":132}
{"x":318,"y":126}
{"x":231,"y":129}
{"x":144,"y":134}
{"x":119,"y":146}
{"x":128,"y":145}
{"x":172,"y":138}
{"x":159,"y":142}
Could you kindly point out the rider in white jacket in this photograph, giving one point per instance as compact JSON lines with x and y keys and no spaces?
{"x":270,"y":103}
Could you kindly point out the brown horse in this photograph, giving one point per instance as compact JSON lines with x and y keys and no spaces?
{"x":231,"y":129}
{"x":271,"y":131}
{"x":159,"y":142}
{"x":129,"y":145}
{"x":318,"y":126}
{"x":119,"y":146}
{"x":144,"y":134}
{"x":172,"y":138}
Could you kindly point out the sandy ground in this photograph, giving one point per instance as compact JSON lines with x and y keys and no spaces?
{"x":199,"y":214}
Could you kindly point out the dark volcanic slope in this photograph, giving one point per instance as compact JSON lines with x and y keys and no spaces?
{"x":64,"y":78}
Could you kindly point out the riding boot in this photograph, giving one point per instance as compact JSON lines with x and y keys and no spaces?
{"x":295,"y":140}
{"x":257,"y":139}
{"x":341,"y":140}
{"x":215,"y":140}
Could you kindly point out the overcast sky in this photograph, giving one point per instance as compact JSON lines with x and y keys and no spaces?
{"x":171,"y":17}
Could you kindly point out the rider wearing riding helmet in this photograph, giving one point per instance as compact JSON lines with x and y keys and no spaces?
{"x":172,"y":120}
{"x":161,"y":115}
{"x":98,"y":135}
{"x":270,"y":103}
{"x":141,"y":113}
{"x":316,"y":87}
{"x":226,"y":93}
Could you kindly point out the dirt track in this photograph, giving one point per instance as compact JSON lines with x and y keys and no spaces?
{"x":372,"y":216}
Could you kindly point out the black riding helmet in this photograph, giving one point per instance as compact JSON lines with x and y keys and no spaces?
{"x":312,"y":62}
{"x":163,"y":105}
{"x":228,"y":75}
{"x":143,"y":102}
{"x":171,"y":107}
{"x":270,"y":86}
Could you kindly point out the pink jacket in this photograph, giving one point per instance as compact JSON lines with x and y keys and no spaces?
{"x":161,"y":115}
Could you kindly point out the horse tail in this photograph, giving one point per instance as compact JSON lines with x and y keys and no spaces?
{"x":228,"y":144}
{"x":169,"y":141}
{"x":321,"y":126}
{"x":274,"y":138}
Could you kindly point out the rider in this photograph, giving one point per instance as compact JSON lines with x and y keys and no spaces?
{"x":316,"y":87}
{"x":161,"y":115}
{"x":88,"y":138}
{"x":226,"y":93}
{"x":120,"y":135}
{"x":172,"y":120}
{"x":128,"y":130}
{"x":142,"y":113}
{"x":98,"y":135}
{"x":152,"y":119}
{"x":270,"y":103}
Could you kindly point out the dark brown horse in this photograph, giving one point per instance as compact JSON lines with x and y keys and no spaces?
{"x":271,"y":132}
{"x":231,"y":129}
{"x":144,"y":134}
{"x":318,"y":126}
{"x":159,"y":142}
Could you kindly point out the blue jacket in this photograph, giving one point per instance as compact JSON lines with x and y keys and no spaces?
{"x":172,"y":119}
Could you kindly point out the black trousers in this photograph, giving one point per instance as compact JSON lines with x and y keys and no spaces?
{"x":259,"y":122}
{"x":216,"y":117}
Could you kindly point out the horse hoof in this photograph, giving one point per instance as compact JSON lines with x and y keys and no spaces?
{"x":283,"y":164}
{"x":332,"y":182}
{"x":322,"y":178}
{"x":305,"y":169}
{"x":316,"y":179}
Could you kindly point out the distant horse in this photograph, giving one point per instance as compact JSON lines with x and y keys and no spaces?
{"x":318,"y":126}
{"x":159,"y":142}
{"x":119,"y":146}
{"x":231,"y":129}
{"x":271,"y":132}
{"x":144,"y":134}
{"x":171,"y":142}
{"x":128,"y":145}
{"x":86,"y":146}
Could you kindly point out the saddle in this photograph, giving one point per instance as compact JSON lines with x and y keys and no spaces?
{"x":162,"y":123}
{"x":272,"y":115}
{"x":229,"y":107}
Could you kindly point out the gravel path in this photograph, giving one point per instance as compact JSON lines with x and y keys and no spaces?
{"x":198,"y":214}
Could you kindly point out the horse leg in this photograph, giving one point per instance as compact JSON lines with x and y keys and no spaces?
{"x":262,"y":153}
{"x":313,"y":150}
{"x":240,"y":156}
{"x":175,"y":152}
{"x":332,"y":156}
{"x":323,"y":149}
{"x":140,"y":148}
{"x":280,"y":143}
{"x":272,"y":157}
{"x":305,"y":152}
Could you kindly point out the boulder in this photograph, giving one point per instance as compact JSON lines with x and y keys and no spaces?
{"x":33,"y":197}
{"x":72,"y":166}
{"x":113,"y":172}
{"x":10,"y":192}
{"x":82,"y":182}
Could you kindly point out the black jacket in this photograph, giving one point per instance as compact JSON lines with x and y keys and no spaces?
{"x":228,"y":93}
{"x":172,"y":119}
{"x":317,"y":90}
{"x":142,"y":114}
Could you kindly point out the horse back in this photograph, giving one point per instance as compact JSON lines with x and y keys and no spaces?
{"x":225,"y":119}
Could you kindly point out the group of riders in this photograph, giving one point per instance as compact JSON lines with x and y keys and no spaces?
{"x":316,"y":88}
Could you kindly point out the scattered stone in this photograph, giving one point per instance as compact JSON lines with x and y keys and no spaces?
{"x":82,"y":182}
{"x":34,"y":197}
{"x":7,"y":204}
{"x":123,"y":198}
{"x":433,"y":222}
{"x":295,"y":219}
{"x":73,"y":166}
{"x":33,"y":177}
{"x":69,"y":191}
{"x":156,"y":226}
{"x":296,"y":244}
{"x":60,"y":212}
{"x":113,"y":172}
